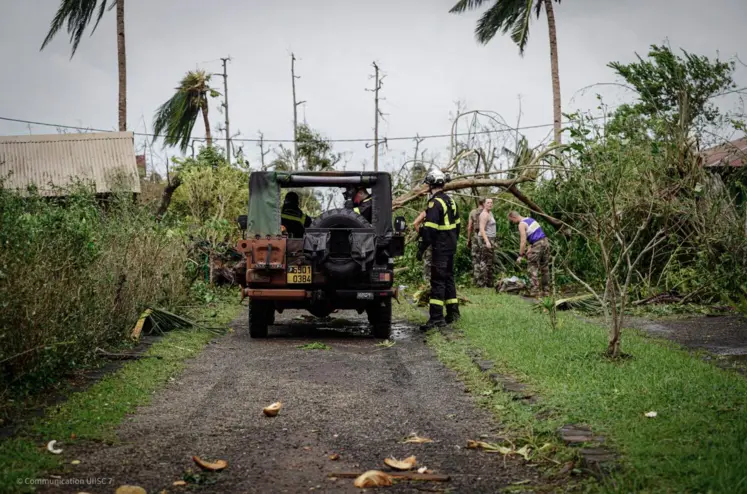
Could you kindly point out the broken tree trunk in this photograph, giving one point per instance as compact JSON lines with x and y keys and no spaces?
{"x":459,"y":184}
{"x":507,"y":183}
{"x":166,"y":197}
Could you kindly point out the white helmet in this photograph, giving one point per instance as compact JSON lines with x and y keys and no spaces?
{"x":435,"y":177}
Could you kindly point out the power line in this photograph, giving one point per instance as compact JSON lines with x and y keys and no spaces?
{"x":367,"y":139}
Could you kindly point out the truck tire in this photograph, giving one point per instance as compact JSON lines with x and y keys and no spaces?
{"x":340,"y":218}
{"x":340,"y":268}
{"x":380,"y":318}
{"x":259,"y":318}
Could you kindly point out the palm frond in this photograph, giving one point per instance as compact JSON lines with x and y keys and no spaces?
{"x":77,"y":14}
{"x":464,"y":5}
{"x":502,"y":16}
{"x":520,"y":30}
{"x":176,"y":118}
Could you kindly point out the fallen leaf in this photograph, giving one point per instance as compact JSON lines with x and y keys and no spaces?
{"x":650,"y":414}
{"x":52,"y":449}
{"x":179,"y":483}
{"x":334,"y":457}
{"x":75,"y":462}
{"x":415,"y":439}
{"x":406,"y":464}
{"x":273,"y":409}
{"x":490,"y":448}
{"x":521,"y":482}
{"x":372,"y":478}
{"x":211,"y":466}
{"x":307,"y":448}
{"x":524,"y":451}
{"x":422,"y":469}
{"x":130,"y":489}
{"x":72,"y":436}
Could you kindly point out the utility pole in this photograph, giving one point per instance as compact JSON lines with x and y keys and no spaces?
{"x":225,"y":105}
{"x":377,"y":113}
{"x":295,"y":111}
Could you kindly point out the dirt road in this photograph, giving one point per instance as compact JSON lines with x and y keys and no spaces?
{"x":357,"y":399}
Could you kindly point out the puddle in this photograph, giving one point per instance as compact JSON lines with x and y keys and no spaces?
{"x":347,"y":324}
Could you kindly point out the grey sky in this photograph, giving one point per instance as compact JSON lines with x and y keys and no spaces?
{"x":430,"y":58}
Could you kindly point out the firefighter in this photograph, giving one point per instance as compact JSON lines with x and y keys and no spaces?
{"x":440,"y":232}
{"x":359,"y":200}
{"x":292,"y":218}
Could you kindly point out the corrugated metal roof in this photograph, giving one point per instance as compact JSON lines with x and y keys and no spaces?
{"x":107,"y":159}
{"x":732,"y":153}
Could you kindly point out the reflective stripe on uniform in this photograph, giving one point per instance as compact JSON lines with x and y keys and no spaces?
{"x":357,"y":210}
{"x":429,"y":224}
{"x":448,"y":225}
{"x":301,"y":219}
{"x":434,"y":301}
{"x":452,"y":301}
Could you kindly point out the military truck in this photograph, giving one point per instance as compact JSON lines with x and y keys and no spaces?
{"x":343,"y":261}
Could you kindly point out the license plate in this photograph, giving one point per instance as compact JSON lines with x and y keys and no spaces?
{"x":365,"y":296}
{"x":299,"y":274}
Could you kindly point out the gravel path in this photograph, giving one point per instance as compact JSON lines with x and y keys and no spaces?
{"x":357,"y":399}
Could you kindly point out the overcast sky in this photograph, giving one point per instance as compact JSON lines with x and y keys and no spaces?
{"x":430,"y":58}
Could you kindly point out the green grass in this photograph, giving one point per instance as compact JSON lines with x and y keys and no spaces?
{"x":93,"y":414}
{"x":698,"y":441}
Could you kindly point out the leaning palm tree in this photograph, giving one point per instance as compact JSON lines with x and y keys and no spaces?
{"x":514,"y":16}
{"x":77,"y":14}
{"x":176,"y":118}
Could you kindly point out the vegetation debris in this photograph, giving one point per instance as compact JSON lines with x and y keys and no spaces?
{"x":272,"y":410}
{"x":215,"y":466}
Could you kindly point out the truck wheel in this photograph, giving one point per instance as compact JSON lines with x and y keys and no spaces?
{"x":259,"y":318}
{"x":380,"y":317}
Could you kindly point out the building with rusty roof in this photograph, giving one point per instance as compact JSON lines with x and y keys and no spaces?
{"x":729,"y":154}
{"x":54,"y":162}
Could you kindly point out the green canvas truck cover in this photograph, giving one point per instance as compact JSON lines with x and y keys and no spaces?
{"x":264,"y":204}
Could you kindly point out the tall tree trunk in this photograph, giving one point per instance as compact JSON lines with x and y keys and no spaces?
{"x":613,"y":340}
{"x":122,"y":66}
{"x":204,"y":109}
{"x":554,"y":69}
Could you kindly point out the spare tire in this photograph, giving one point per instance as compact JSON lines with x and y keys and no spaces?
{"x":336,"y":265}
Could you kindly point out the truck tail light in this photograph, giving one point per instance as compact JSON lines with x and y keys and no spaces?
{"x":386,"y":276}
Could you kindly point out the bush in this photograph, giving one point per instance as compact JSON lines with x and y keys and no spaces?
{"x":75,"y":274}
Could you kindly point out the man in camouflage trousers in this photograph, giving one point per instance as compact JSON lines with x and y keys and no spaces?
{"x":473,"y":228}
{"x":537,"y":255}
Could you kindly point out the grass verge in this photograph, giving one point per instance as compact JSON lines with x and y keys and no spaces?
{"x":696,"y":443}
{"x":94,"y":414}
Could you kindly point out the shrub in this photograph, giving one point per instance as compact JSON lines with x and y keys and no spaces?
{"x":75,"y":273}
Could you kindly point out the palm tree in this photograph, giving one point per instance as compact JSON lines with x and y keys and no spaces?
{"x":177,"y":116}
{"x":514,"y":16}
{"x":77,"y":14}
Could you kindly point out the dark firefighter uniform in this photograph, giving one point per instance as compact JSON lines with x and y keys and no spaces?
{"x":294,"y":220}
{"x":440,"y":231}
{"x":364,"y":208}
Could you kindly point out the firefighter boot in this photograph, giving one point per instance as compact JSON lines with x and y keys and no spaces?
{"x":433,"y":325}
{"x":452,"y":313}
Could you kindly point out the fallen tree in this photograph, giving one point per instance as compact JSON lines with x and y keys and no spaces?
{"x":509,"y":184}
